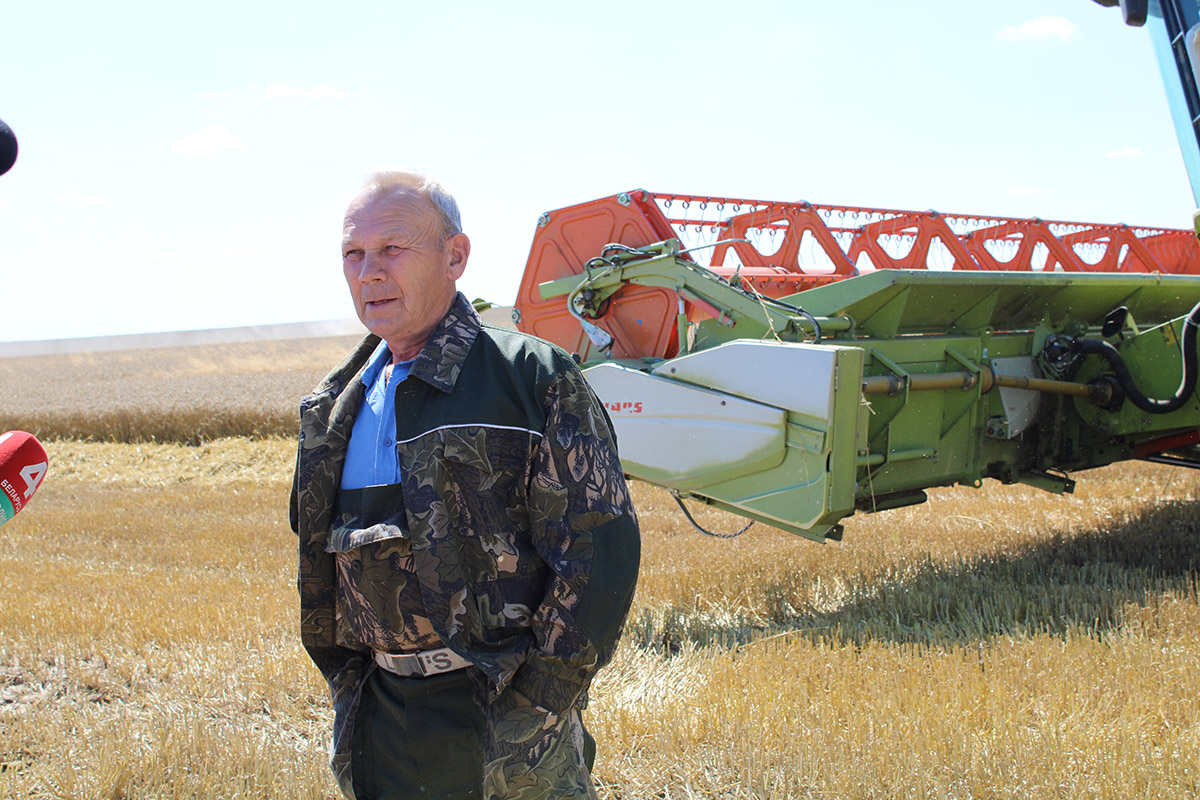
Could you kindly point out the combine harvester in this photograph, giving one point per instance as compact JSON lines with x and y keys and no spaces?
{"x":796,"y":363}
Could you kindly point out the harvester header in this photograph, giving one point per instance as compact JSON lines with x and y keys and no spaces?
{"x":782,"y":248}
{"x":795,"y":363}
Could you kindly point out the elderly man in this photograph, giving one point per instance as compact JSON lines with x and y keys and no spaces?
{"x":468,"y":550}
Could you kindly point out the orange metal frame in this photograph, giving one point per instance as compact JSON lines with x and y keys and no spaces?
{"x":784,"y":248}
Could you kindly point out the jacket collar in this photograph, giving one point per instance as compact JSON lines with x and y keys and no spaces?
{"x":441,"y":359}
{"x":438,"y":363}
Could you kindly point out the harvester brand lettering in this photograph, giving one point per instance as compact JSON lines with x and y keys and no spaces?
{"x":630,"y":406}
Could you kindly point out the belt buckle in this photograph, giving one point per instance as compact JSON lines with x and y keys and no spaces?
{"x":433,"y":662}
{"x":422,"y":664}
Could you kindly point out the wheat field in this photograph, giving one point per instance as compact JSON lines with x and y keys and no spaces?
{"x":992,"y":643}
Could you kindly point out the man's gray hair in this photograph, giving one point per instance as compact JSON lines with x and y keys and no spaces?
{"x":384,"y":182}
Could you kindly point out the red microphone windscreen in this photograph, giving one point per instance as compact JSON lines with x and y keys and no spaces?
{"x":22,"y":466}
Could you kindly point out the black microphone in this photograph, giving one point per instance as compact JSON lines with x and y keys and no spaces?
{"x":8,"y":148}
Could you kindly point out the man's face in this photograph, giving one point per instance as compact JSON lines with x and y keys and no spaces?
{"x":400,"y":270}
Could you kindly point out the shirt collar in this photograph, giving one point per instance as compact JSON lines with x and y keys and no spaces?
{"x":375,"y":364}
{"x":441,"y":359}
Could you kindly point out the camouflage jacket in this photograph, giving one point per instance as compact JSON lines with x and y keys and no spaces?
{"x":523,"y":537}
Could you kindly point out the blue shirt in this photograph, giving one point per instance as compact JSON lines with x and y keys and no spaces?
{"x":371,"y":459}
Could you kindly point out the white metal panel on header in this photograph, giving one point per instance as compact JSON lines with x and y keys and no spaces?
{"x":1020,"y":405}
{"x":797,"y":377}
{"x":684,"y":436}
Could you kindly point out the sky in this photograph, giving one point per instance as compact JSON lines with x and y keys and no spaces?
{"x":187,"y":166}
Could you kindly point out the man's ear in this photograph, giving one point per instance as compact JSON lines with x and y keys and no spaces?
{"x":458,"y":250}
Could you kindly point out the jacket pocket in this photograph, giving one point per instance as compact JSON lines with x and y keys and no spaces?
{"x":368,"y":515}
{"x":507,"y":605}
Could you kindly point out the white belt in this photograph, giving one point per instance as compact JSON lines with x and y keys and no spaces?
{"x":423,"y":664}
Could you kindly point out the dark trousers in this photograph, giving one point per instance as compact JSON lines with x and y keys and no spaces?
{"x":418,"y":738}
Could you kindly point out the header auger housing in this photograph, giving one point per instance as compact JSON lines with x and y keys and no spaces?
{"x":795,"y":363}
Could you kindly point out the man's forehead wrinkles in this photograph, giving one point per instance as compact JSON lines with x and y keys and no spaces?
{"x":394,"y":225}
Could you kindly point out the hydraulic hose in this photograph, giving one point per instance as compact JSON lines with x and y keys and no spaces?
{"x":1187,"y":385}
